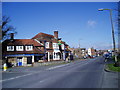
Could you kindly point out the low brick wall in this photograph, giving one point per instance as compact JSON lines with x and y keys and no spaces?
{"x":47,"y":63}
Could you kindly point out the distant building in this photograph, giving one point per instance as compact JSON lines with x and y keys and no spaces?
{"x":83,"y":52}
{"x":91,"y":51}
{"x":79,"y":52}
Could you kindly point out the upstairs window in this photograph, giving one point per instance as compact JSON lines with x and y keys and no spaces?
{"x":55,"y":46}
{"x":10,"y":48}
{"x":63,"y":46}
{"x":83,"y":50}
{"x":29,"y":48}
{"x":19,"y":48}
{"x":47,"y":44}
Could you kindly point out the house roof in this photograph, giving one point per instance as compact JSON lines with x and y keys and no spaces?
{"x":22,"y":42}
{"x":67,"y":49}
{"x":42,"y":35}
{"x":39,"y":35}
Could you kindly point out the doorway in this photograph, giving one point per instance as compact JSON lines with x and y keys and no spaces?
{"x":19,"y":61}
{"x":29,"y":60}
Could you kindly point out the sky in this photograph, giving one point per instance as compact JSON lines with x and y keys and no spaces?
{"x":78,"y":23}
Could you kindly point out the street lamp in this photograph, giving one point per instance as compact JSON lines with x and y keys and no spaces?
{"x":110,"y":10}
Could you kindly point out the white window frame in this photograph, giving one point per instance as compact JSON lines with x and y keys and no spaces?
{"x":30,"y":48}
{"x":63,"y":46}
{"x":10,"y":48}
{"x":47,"y":44}
{"x":55,"y":46}
{"x":19,"y":48}
{"x":83,"y":50}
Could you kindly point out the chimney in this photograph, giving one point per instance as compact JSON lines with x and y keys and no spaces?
{"x":11,"y":36}
{"x":56,"y":34}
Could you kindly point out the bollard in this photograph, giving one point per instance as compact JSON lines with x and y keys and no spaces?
{"x":5,"y":66}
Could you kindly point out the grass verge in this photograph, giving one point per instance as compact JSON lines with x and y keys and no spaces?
{"x":111,"y":67}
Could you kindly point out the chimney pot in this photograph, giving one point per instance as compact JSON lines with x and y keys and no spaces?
{"x":56,"y":34}
{"x":12,"y":36}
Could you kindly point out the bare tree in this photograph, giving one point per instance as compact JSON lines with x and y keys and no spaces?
{"x":6,"y":28}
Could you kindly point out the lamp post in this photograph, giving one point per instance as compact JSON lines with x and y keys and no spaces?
{"x":113,"y":37}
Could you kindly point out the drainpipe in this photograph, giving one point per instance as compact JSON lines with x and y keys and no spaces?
{"x":64,"y":54}
{"x":44,"y":50}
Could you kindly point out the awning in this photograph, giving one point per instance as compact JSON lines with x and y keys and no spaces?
{"x":15,"y":55}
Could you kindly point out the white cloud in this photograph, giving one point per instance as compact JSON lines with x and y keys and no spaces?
{"x":91,"y":23}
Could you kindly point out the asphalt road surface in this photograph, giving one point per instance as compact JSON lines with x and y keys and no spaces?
{"x":78,"y":74}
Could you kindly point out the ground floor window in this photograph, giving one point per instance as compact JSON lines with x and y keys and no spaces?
{"x":57,"y":56}
{"x":46,"y":56}
{"x":37,"y":58}
{"x":11,"y":61}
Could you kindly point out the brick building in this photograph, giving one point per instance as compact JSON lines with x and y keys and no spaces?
{"x":42,"y":47}
{"x":79,"y":52}
{"x":52,"y":48}
{"x":22,"y":52}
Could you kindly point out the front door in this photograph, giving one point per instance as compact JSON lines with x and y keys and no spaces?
{"x":29,"y":60}
{"x":19,"y":61}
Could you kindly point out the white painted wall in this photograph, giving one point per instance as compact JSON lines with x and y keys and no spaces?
{"x":89,"y":51}
{"x":33,"y":59}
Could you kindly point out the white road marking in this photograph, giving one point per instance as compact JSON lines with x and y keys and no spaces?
{"x":32,"y":73}
{"x":15,"y":77}
{"x":40,"y":71}
{"x":42,"y":81}
{"x":81,"y":63}
{"x":57,"y":66}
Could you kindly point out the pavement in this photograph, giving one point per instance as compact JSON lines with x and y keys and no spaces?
{"x":111,"y":78}
{"x":36,"y":67}
{"x":78,"y":74}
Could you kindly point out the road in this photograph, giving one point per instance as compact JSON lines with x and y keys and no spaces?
{"x":77,"y":74}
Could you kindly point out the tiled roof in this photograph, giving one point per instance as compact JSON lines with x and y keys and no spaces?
{"x":67,"y":49}
{"x":22,"y":42}
{"x":42,"y":35}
